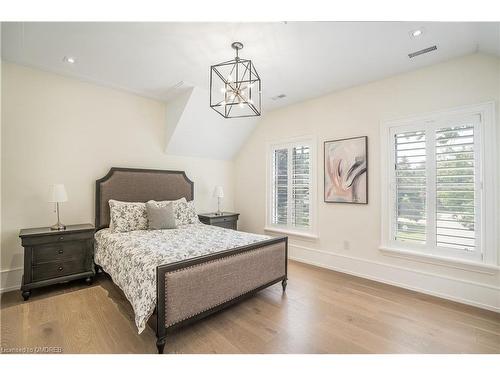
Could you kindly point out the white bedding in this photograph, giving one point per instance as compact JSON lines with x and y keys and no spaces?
{"x":131,"y":258}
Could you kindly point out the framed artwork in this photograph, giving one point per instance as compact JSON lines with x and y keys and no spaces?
{"x":346,"y":170}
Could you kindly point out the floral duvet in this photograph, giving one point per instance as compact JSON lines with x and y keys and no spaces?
{"x":131,"y":258}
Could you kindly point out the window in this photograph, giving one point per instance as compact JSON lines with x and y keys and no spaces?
{"x":440,"y":171}
{"x":291,"y":193}
{"x":411,"y":185}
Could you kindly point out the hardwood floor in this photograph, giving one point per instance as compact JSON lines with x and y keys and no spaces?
{"x":322,"y":312}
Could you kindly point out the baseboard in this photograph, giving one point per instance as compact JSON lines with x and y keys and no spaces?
{"x":10,"y":279}
{"x":471,"y":293}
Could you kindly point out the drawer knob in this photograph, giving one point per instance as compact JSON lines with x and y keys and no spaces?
{"x":60,"y":268}
{"x":61,"y":238}
{"x":60,"y":251}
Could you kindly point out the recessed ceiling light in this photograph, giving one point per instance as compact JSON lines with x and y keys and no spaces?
{"x":416,"y":33}
{"x":69,"y":59}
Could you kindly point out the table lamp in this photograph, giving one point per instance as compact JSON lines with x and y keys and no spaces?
{"x":219,"y":194}
{"x":57,"y":195}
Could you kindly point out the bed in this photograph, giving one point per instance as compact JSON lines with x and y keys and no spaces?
{"x":175,"y":277}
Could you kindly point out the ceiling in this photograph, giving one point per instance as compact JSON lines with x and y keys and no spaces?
{"x":194,"y":129}
{"x":171,"y":61}
{"x":299,"y":59}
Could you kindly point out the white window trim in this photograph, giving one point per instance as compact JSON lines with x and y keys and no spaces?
{"x":456,"y":263}
{"x":489,"y":206}
{"x":278,"y":229}
{"x":310,"y":233}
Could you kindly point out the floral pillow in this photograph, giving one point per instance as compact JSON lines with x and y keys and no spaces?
{"x":185,"y":213}
{"x":128,"y":216}
{"x":166,"y":203}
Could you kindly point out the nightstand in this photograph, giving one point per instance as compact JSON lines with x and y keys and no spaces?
{"x":56,"y":256}
{"x":226,"y":220}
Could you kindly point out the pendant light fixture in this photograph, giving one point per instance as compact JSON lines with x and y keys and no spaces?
{"x":235,"y":88}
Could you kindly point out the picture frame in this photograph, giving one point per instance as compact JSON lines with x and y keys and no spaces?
{"x":345,"y":167}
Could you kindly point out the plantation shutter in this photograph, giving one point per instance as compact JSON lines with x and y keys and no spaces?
{"x":300,"y":186}
{"x":280,"y":187}
{"x":456,"y":185}
{"x":437,"y":187}
{"x":291,"y":186}
{"x":411,"y":185}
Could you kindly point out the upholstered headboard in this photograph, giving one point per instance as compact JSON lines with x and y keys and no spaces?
{"x":138,"y":185}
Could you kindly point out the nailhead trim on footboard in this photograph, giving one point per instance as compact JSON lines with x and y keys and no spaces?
{"x":218,"y":281}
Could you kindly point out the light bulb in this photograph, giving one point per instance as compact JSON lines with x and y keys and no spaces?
{"x":416,"y":33}
{"x":69,"y":59}
{"x":223,"y":90}
{"x":241,"y":104}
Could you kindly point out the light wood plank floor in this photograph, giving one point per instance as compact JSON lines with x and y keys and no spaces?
{"x":322,"y":312}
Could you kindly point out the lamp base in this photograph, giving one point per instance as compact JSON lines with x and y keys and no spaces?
{"x":58,"y":226}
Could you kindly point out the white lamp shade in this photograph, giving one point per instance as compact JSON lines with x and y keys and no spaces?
{"x":57,"y":193}
{"x":218,"y":192}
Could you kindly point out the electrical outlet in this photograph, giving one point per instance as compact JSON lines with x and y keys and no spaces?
{"x":347,"y":245}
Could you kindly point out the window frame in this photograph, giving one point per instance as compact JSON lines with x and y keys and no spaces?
{"x":484,"y":155}
{"x":289,"y":228}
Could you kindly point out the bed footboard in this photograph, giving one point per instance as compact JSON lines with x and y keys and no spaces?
{"x":190,"y":290}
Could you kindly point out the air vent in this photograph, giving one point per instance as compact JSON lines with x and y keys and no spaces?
{"x":422,"y":51}
{"x":177,"y":85}
{"x":278,"y":97}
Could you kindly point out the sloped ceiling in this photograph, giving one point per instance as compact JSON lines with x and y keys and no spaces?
{"x":194,"y":129}
{"x":302,"y":60}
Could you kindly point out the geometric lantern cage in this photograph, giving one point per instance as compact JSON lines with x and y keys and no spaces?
{"x":235,"y":87}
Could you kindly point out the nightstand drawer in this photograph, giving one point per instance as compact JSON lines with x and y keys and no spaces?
{"x":56,"y":237}
{"x":224,"y":219}
{"x":59,"y":252}
{"x":56,"y":269}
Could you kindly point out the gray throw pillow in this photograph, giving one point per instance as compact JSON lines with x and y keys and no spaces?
{"x":161,"y":217}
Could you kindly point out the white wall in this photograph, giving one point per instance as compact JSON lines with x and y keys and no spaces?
{"x":56,"y":129}
{"x":60,"y":130}
{"x":355,"y":112}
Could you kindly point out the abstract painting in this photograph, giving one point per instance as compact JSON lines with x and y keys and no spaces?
{"x":346,"y":170}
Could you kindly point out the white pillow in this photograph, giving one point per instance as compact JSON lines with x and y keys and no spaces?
{"x":127,"y":216}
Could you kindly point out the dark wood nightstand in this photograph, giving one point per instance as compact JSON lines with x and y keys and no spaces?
{"x":226,"y":220}
{"x":56,"y":256}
